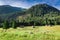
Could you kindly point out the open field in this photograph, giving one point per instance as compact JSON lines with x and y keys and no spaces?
{"x":29,"y":33}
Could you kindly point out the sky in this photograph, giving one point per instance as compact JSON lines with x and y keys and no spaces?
{"x":28,"y":3}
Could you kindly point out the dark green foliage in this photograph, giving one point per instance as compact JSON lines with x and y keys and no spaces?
{"x":5,"y":24}
{"x":13,"y":24}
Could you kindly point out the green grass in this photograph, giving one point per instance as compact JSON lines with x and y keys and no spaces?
{"x":29,"y":33}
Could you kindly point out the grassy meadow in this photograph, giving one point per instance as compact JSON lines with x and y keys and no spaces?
{"x":29,"y":33}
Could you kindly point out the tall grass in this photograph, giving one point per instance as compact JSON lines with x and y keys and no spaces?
{"x":29,"y":33}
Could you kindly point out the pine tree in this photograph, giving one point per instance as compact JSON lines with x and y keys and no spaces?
{"x":5,"y":24}
{"x":13,"y":24}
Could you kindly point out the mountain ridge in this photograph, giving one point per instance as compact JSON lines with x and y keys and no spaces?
{"x":6,"y":11}
{"x":41,"y":11}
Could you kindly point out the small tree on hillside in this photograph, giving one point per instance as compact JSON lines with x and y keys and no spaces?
{"x":13,"y":24}
{"x":5,"y":24}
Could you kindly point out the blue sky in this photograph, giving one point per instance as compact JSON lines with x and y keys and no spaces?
{"x":29,"y":3}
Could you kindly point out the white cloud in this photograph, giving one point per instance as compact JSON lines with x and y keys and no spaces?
{"x":20,"y":4}
{"x":15,"y":3}
{"x":2,"y":3}
{"x":26,"y":3}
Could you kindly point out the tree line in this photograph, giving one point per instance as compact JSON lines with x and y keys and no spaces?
{"x":29,"y":22}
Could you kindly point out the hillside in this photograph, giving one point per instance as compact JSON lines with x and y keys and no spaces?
{"x":42,"y":10}
{"x":7,"y":11}
{"x":41,"y":14}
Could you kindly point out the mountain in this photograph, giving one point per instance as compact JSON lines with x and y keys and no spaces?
{"x":40,"y":11}
{"x":40,"y":14}
{"x":7,"y":11}
{"x":43,"y":10}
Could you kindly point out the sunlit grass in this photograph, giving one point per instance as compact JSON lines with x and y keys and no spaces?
{"x":29,"y":33}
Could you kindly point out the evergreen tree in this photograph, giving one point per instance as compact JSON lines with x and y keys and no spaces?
{"x":13,"y":24}
{"x":5,"y":24}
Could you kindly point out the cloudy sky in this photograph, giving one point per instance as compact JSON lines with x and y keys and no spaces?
{"x":29,"y":3}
